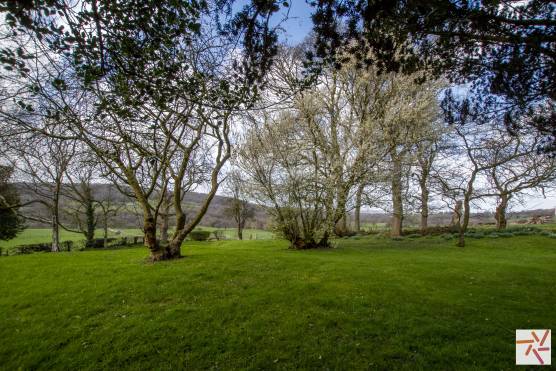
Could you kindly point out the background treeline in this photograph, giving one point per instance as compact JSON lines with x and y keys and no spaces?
{"x":217,"y":214}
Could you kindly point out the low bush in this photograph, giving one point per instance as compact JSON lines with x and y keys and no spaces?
{"x":28,"y":249}
{"x":199,"y":235}
{"x":436,"y":230}
{"x":219,"y":235}
{"x":79,"y":245}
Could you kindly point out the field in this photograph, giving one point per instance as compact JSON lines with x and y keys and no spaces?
{"x":38,"y":235}
{"x":369,"y":303}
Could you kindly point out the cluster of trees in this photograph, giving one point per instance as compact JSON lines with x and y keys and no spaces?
{"x":371,"y":138}
{"x":163,"y":97}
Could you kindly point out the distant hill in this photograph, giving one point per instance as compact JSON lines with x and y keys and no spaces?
{"x":130,"y":216}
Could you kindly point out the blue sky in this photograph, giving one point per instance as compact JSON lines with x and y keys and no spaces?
{"x":298,"y":23}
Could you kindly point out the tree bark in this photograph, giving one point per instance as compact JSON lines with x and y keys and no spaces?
{"x":149,"y":229}
{"x":456,"y":216}
{"x":500,"y":215}
{"x":465,"y":222}
{"x":357,"y":216}
{"x":164,"y":229}
{"x":55,"y":232}
{"x":55,"y":220}
{"x":90,"y":219}
{"x":160,"y":251}
{"x":344,"y":223}
{"x":424,"y":206}
{"x":239,"y":232}
{"x":397,"y":203}
{"x":105,"y":242}
{"x":165,"y":216}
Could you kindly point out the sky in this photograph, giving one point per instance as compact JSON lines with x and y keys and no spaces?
{"x":297,"y":24}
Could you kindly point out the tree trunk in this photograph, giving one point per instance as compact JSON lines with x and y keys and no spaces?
{"x":357,"y":216}
{"x":239,"y":232}
{"x":90,"y":216}
{"x":465,"y":222}
{"x":424,"y":207}
{"x":397,"y":203}
{"x":165,"y":216}
{"x":500,"y":215}
{"x":55,"y":220}
{"x":159,"y":251}
{"x":55,"y":232}
{"x":344,"y":223}
{"x":149,"y":229}
{"x":164,"y":227}
{"x":105,"y":243}
{"x":456,"y":216}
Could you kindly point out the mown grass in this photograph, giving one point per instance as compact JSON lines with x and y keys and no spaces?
{"x":367,"y":304}
{"x":39,"y":235}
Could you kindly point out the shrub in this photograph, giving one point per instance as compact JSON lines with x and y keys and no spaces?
{"x":80,"y":245}
{"x":436,"y":230}
{"x":28,"y":249}
{"x":219,"y":235}
{"x":66,"y":245}
{"x":343,"y":233}
{"x":199,"y":235}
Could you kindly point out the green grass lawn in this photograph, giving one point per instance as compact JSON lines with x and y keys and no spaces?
{"x":367,"y":304}
{"x":38,"y":235}
{"x":248,"y":234}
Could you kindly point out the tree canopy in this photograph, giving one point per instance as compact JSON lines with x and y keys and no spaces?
{"x":503,"y":50}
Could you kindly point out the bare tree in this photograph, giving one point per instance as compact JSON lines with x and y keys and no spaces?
{"x":109,"y":208}
{"x":520,"y":169}
{"x":41,"y":163}
{"x":461,"y":173}
{"x":426,"y":155}
{"x":239,"y":209}
{"x":78,"y":190}
{"x":284,"y":178}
